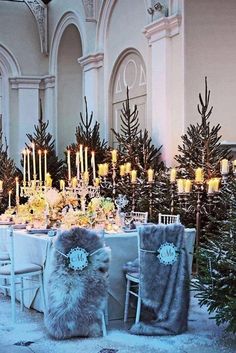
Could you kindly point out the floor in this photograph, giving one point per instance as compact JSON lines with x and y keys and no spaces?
{"x":30,"y":336}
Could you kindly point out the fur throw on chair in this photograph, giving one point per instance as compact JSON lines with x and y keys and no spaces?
{"x":77,"y":298}
{"x":163,"y":288}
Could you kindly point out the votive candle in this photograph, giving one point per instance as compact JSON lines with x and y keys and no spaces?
{"x":114,"y":156}
{"x":133,"y":176}
{"x":150,"y":173}
{"x":173,"y":175}
{"x":224,"y":166}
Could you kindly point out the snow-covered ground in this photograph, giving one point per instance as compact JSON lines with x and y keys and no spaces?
{"x":29,"y":335}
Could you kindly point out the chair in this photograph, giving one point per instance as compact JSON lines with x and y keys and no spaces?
{"x":168,"y":218}
{"x":139,"y":217}
{"x":12,"y":276}
{"x":80,"y":261}
{"x":148,"y":244}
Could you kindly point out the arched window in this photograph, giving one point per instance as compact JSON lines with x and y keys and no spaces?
{"x":129,"y":72}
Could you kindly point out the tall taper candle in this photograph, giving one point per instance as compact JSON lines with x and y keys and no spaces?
{"x":17,"y":189}
{"x":77,"y":165}
{"x":93,"y":164}
{"x":45,"y":165}
{"x":81,"y":158}
{"x":40,"y":165}
{"x":24,"y":166}
{"x":86,"y":158}
{"x":9,"y":199}
{"x":69,"y":165}
{"x":34,"y":162}
{"x":28,"y":164}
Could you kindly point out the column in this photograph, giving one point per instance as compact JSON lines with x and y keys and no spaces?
{"x":91,"y":64}
{"x":48,"y":86}
{"x":160,"y":35}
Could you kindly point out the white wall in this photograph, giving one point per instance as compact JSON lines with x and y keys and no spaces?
{"x":210,"y":50}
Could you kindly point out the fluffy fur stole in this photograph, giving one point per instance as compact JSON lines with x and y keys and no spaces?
{"x":76,"y":299}
{"x":163,"y":288}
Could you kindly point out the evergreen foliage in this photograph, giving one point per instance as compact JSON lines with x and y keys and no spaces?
{"x":216,"y":283}
{"x":43,"y":140}
{"x":8,"y":173}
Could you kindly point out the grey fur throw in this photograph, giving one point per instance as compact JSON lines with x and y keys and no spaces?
{"x":77,"y":299}
{"x":163,"y":288}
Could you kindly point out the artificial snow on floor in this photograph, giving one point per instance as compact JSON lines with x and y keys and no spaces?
{"x":28,"y":335}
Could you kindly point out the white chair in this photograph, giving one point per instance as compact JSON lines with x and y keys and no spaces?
{"x":168,"y":218}
{"x":139,"y":217}
{"x":12,"y":276}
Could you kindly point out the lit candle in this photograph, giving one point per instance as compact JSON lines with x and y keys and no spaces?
{"x":24,"y":166}
{"x":45,"y":164}
{"x":34,"y":162}
{"x":210,"y":186}
{"x":86,"y":158}
{"x":114,"y":156}
{"x":172,"y":175}
{"x":93,"y":164}
{"x":199,"y":175}
{"x":17,"y":189}
{"x":62,"y":185}
{"x":28,"y":164}
{"x":74,"y":183}
{"x":9,"y":199}
{"x":122,"y":170}
{"x":105,"y":169}
{"x":224,"y":166}
{"x":1,"y":185}
{"x":187,"y":185}
{"x":150,"y":173}
{"x":100,"y":169}
{"x":180,"y":185}
{"x":68,"y":165}
{"x":77,"y":165}
{"x":216,"y":184}
{"x":133,"y":176}
{"x":127,"y":167}
{"x":40,"y":165}
{"x":81,"y":158}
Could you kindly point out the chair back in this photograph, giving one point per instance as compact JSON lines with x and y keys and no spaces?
{"x":168,"y":218}
{"x":139,"y":217}
{"x":4,"y":246}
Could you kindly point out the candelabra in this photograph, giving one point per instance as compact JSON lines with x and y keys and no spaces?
{"x":29,"y":189}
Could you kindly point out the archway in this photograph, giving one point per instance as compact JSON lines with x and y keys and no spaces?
{"x":129,"y":72}
{"x":69,"y":86}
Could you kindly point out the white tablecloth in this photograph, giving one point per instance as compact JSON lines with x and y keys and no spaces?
{"x":39,"y":249}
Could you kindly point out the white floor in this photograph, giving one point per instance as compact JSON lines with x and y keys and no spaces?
{"x":29,"y":336}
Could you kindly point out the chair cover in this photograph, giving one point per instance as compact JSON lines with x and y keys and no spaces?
{"x":77,"y":298}
{"x":163,"y":288}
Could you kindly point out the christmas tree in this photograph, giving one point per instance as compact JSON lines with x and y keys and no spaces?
{"x":88,"y":135}
{"x":201,"y":149}
{"x":216,"y":283}
{"x":8,"y":174}
{"x":136,"y":148}
{"x":45,"y":143}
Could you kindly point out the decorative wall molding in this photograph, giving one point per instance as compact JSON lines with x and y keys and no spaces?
{"x":165,"y":27}
{"x":47,"y":82}
{"x":39,"y":11}
{"x":8,"y":63}
{"x":90,"y":10}
{"x":25,"y":82}
{"x":91,"y":61}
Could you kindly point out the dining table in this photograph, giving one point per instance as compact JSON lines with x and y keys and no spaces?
{"x":36,"y":247}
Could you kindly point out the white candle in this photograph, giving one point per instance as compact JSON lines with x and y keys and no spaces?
{"x":86,"y":158}
{"x":9,"y":198}
{"x":24,"y":166}
{"x":172,"y":175}
{"x":224,"y":166}
{"x":40,"y":165}
{"x":122,"y":170}
{"x":187,"y":186}
{"x":199,"y":175}
{"x":81,"y":158}
{"x":68,"y":165}
{"x":210,"y":186}
{"x":180,"y":185}
{"x":77,"y":165}
{"x":133,"y":176}
{"x":34,"y":163}
{"x":127,"y":167}
{"x":45,"y":165}
{"x":28,"y":162}
{"x":93,"y":164}
{"x":114,"y":156}
{"x":150,"y":174}
{"x":1,"y":185}
{"x":17,"y":189}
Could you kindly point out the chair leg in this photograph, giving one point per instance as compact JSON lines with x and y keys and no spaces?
{"x":127,"y":300}
{"x":21,"y":294}
{"x":104,"y":329}
{"x":42,"y":293}
{"x":138,"y":309}
{"x":13,"y":300}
